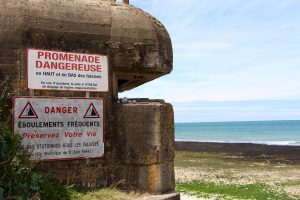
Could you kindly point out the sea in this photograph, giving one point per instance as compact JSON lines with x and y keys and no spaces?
{"x":257,"y":132}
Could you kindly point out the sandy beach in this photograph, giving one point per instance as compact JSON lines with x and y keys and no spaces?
{"x":223,"y":170}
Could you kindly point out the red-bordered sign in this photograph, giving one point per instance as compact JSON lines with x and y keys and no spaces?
{"x":60,"y":128}
{"x":67,"y":71}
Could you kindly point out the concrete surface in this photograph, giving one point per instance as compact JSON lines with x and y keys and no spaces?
{"x":139,"y":138}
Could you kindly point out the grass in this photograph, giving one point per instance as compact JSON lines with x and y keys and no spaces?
{"x":256,"y":191}
{"x":228,"y":176}
{"x":103,"y":194}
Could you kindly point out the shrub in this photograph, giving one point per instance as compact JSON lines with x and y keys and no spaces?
{"x":18,"y":180}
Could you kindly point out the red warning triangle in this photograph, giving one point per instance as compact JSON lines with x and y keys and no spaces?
{"x":91,"y":112}
{"x":28,"y":112}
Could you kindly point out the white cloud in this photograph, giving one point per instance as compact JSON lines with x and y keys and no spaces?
{"x":228,"y":50}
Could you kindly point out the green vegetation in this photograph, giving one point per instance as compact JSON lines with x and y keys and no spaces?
{"x":18,"y":180}
{"x":257,"y":191}
{"x":228,"y":176}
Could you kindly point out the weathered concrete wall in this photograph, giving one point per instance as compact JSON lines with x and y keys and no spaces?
{"x":148,"y":132}
{"x":139,"y":50}
{"x":141,"y":156}
{"x":138,"y":45}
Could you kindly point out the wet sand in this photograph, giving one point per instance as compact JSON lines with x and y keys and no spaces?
{"x":255,"y":152}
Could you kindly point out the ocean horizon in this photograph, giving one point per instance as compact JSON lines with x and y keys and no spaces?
{"x":277,"y":132}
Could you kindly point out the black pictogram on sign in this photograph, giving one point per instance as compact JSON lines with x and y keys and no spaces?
{"x":91,"y":112}
{"x":28,"y":112}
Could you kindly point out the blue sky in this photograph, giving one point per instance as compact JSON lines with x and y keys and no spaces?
{"x":233,"y":59}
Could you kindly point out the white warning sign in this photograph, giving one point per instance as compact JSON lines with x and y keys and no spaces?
{"x":60,"y":128}
{"x":57,"y":70}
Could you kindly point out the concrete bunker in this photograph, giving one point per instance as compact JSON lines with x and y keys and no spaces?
{"x":139,"y":136}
